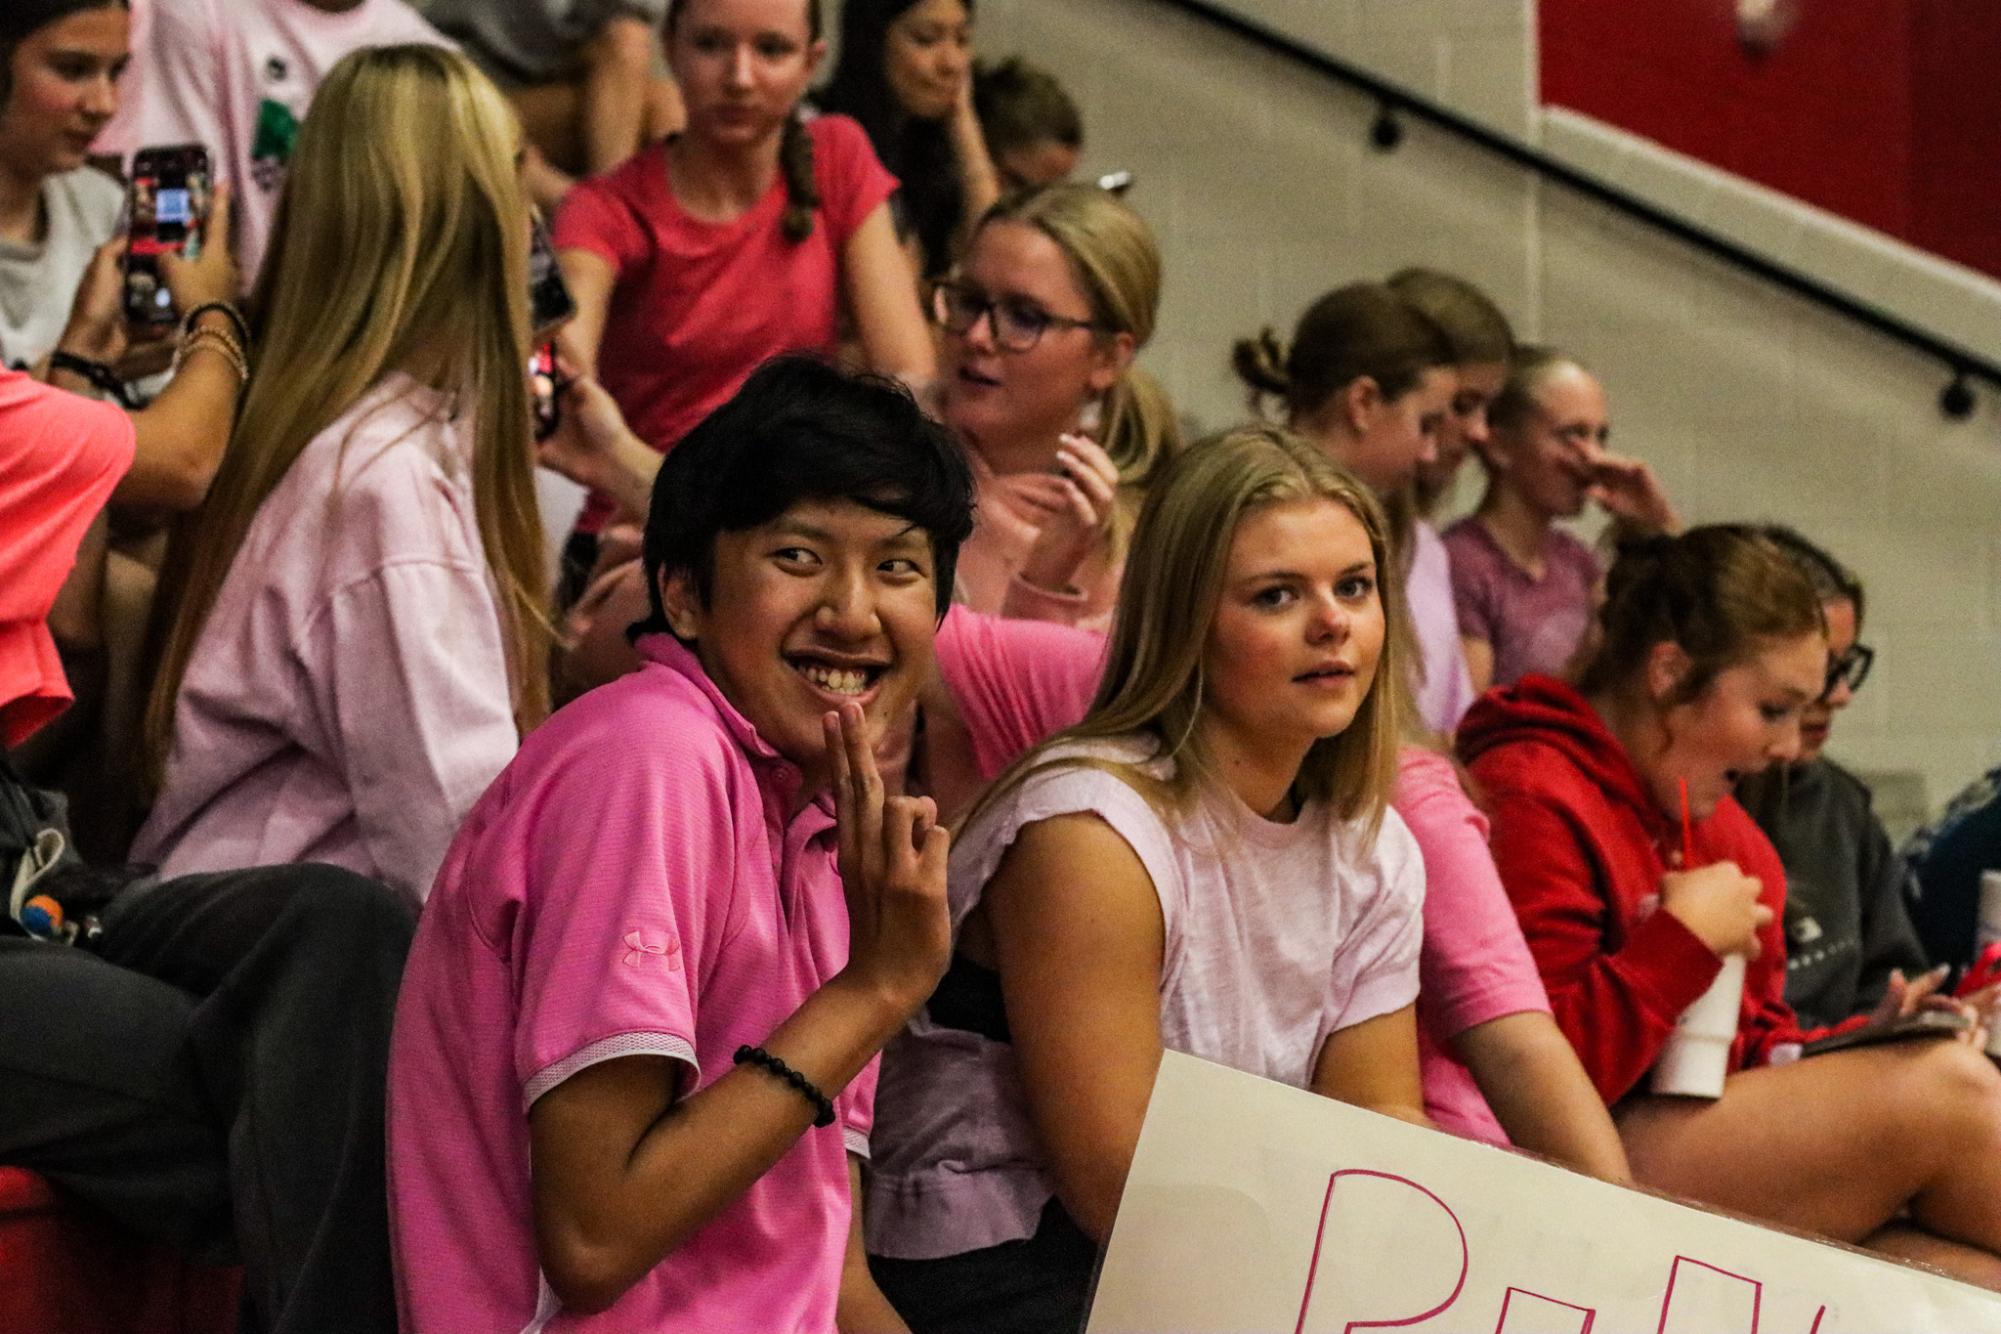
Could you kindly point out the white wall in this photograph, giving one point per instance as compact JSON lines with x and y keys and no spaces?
{"x":1264,"y":191}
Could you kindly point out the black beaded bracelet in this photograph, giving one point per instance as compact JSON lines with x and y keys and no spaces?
{"x":235,"y":317}
{"x":806,"y":1088}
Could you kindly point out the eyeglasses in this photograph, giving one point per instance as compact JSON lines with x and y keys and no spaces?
{"x":1018,"y":324}
{"x":1852,"y":667}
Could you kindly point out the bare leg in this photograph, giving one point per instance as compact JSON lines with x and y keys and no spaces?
{"x":1840,"y":1145}
{"x":1909,"y":1243}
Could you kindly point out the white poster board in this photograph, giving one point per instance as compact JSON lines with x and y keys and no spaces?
{"x":1256,"y":1207}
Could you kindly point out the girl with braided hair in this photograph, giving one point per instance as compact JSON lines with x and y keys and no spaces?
{"x":744,"y":236}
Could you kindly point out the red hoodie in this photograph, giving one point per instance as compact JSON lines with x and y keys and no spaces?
{"x":1581,"y":845}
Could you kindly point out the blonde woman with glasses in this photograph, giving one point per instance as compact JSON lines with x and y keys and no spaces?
{"x":1059,"y":291}
{"x":1207,"y":862}
{"x":355,"y":640}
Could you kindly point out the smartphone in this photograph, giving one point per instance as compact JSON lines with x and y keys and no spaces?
{"x":549,"y":302}
{"x":545,"y":387}
{"x":1923,"y":1024}
{"x":1116,"y":182}
{"x":166,"y":210}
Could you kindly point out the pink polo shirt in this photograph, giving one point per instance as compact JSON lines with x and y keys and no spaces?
{"x":630,"y":885}
{"x":1476,"y":966}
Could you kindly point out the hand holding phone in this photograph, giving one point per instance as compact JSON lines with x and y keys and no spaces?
{"x":167,"y":215}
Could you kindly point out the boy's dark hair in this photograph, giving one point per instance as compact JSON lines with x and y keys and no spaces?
{"x":799,"y":429}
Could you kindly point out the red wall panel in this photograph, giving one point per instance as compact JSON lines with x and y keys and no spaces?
{"x":1885,"y":111}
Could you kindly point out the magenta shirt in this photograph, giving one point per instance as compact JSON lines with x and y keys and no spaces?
{"x":1476,"y":966}
{"x":630,"y":885}
{"x":348,"y":698}
{"x":1535,"y":624}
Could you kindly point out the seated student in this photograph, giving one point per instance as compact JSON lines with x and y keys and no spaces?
{"x":59,"y":64}
{"x":1243,"y":703}
{"x":906,"y":73}
{"x":1847,"y":931}
{"x":637,"y":1006}
{"x":1033,"y":130}
{"x":1524,"y":588}
{"x":1058,"y":292}
{"x":237,"y":76}
{"x":579,"y":72}
{"x":1946,"y":858}
{"x":1370,"y":380}
{"x":1713,"y":646}
{"x":176,"y":1068}
{"x":1483,"y":346}
{"x":744,"y":236}
{"x":354,"y":641}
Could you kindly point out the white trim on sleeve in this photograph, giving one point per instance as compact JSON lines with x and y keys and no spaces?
{"x":608,"y":1049}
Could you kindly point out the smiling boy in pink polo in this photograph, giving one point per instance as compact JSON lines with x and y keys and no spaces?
{"x":636,"y":1041}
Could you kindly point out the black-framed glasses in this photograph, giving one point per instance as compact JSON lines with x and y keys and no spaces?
{"x":1852,"y":667}
{"x":1017,"y":322}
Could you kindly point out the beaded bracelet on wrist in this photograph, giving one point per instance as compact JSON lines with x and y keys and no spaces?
{"x":823,"y":1106}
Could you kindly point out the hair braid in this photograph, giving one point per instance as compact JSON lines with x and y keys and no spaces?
{"x":802,"y":188}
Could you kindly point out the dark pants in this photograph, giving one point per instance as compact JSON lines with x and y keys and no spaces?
{"x":217,"y":1076}
{"x":1039,"y":1285}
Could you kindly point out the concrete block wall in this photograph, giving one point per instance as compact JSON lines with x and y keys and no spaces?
{"x":1751,"y":404}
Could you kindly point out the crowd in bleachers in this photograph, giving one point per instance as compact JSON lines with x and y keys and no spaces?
{"x":766,"y":907}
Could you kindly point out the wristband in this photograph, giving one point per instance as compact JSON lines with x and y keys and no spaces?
{"x":102,"y":377}
{"x":823,"y":1106}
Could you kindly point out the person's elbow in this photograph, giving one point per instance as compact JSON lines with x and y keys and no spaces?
{"x":588,"y":1274}
{"x":170,"y":474}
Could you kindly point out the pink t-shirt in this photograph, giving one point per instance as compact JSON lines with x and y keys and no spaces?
{"x":630,"y":885}
{"x":1476,"y":966}
{"x":349,"y":696}
{"x":699,"y":305}
{"x":1015,"y":682}
{"x":1007,"y":525}
{"x":1534,"y":623}
{"x":237,"y":76}
{"x":1275,"y":936}
{"x":60,"y":458}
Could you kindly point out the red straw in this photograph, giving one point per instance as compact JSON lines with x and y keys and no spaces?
{"x":1687,"y":842}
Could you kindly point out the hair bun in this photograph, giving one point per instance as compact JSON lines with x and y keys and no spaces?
{"x":1260,"y":362}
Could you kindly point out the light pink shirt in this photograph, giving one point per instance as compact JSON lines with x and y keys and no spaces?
{"x":1275,"y":935}
{"x":237,"y":76}
{"x":349,"y":697}
{"x":631,"y":885}
{"x":1476,"y":966}
{"x":1447,"y":690}
{"x":1006,"y":528}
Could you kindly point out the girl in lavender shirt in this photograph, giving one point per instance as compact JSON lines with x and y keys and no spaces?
{"x":1524,"y":589}
{"x":1207,"y":862}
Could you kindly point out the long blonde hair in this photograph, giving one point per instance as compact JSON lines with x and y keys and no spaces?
{"x":1173,"y":583}
{"x":1117,"y":263}
{"x":400,"y":242}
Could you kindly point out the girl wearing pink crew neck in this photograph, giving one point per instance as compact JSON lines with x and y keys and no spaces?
{"x":635,"y":1046}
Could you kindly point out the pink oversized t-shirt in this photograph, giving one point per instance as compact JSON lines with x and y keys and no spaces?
{"x":237,"y":77}
{"x":1476,"y":966}
{"x":697,"y":305}
{"x":631,"y":885}
{"x":349,"y":696}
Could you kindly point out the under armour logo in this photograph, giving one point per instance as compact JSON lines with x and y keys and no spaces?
{"x":637,"y":948}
